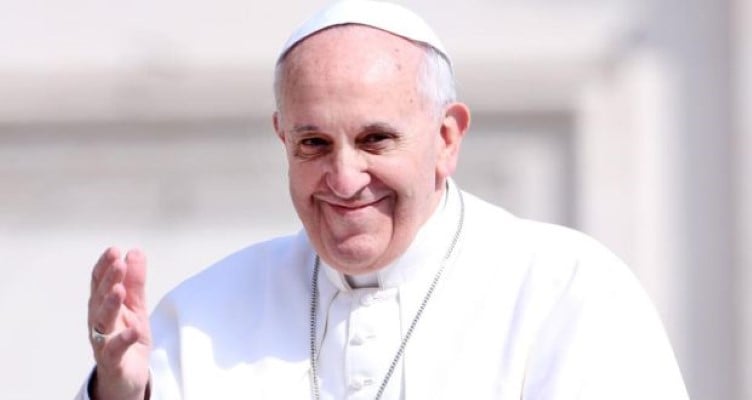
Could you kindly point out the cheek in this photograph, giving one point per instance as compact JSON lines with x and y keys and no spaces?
{"x":298,"y":183}
{"x":411,"y":175}
{"x":305,"y":180}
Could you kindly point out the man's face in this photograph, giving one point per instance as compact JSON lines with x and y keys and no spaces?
{"x":363,"y":145}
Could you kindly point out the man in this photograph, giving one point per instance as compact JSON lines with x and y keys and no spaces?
{"x":401,"y":286}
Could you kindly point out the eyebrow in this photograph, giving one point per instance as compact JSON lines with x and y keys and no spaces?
{"x":372,"y":127}
{"x":379,"y":127}
{"x":305,"y":128}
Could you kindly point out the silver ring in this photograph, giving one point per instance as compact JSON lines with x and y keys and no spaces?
{"x":97,"y":336}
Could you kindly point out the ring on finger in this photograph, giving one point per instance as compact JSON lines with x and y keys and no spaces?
{"x":97,"y":336}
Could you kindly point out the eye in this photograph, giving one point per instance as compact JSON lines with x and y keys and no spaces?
{"x":313,"y":142}
{"x":311,"y":146}
{"x":375,"y":137}
{"x":376,"y":141}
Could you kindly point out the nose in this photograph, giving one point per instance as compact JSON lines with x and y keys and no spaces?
{"x":348,"y":174}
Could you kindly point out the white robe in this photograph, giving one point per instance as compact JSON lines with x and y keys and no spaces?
{"x":524,"y":310}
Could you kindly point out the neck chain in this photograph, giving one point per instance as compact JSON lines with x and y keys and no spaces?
{"x":315,"y":390}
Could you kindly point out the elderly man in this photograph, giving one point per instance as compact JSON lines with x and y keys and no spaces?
{"x":401,"y":286}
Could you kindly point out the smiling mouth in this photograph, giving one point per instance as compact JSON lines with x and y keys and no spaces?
{"x":349,"y":208}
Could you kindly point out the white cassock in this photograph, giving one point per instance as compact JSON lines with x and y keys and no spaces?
{"x":523,"y":310}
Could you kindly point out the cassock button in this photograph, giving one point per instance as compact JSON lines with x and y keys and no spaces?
{"x":357,"y":340}
{"x":359,"y":382}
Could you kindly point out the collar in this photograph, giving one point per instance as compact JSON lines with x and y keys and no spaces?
{"x":424,"y":255}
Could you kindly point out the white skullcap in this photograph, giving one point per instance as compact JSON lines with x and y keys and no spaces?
{"x":388,"y":17}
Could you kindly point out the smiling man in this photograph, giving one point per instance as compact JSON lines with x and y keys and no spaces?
{"x":400,"y":286}
{"x":369,"y":149}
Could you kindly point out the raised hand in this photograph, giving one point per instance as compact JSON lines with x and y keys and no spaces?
{"x":119,"y":326}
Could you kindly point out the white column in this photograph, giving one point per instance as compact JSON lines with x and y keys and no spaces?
{"x":629,"y":184}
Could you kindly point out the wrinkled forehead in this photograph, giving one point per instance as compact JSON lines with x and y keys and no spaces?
{"x":352,"y":46}
{"x":350,"y":69}
{"x":352,"y":64}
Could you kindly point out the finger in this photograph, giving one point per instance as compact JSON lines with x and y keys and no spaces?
{"x":105,"y":260}
{"x":118,"y":344}
{"x":139,"y":322}
{"x":135,"y":280}
{"x":114,"y":274}
{"x":106,"y":318}
{"x":105,"y":300}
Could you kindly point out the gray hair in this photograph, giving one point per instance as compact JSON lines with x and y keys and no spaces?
{"x":435,"y":79}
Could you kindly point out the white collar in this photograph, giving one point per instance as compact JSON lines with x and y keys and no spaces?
{"x":422,"y":257}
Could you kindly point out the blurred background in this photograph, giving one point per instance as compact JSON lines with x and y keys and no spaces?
{"x":147,"y":123}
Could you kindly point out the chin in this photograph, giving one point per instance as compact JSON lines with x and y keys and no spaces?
{"x":354,"y":270}
{"x":354,"y":260}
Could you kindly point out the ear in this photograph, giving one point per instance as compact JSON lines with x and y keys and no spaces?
{"x":277,"y":126}
{"x":453,"y":128}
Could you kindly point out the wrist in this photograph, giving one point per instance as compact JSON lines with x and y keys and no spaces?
{"x":103,"y":387}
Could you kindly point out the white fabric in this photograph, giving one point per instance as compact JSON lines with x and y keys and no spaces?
{"x":389,"y":17}
{"x":525,"y":310}
{"x":365,"y":326}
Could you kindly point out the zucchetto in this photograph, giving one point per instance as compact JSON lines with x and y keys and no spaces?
{"x":389,"y":17}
